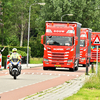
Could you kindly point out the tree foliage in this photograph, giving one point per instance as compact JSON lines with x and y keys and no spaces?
{"x":16,"y":17}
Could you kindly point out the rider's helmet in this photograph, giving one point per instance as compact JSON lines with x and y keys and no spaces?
{"x":14,"y":50}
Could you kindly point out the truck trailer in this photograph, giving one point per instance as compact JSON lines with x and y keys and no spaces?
{"x":94,"y":48}
{"x":61,"y":45}
{"x":85,"y":46}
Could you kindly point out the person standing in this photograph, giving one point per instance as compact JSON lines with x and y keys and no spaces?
{"x":2,"y":49}
{"x":1,"y":56}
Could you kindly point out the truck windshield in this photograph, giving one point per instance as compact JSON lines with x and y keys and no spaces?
{"x":82,"y":43}
{"x":59,"y":40}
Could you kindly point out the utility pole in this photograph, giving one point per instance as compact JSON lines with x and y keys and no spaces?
{"x":29,"y":28}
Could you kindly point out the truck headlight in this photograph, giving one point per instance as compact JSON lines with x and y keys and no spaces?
{"x":46,"y":59}
{"x":82,"y":58}
{"x":68,"y":49}
{"x":84,"y":49}
{"x":48,"y":30}
{"x":44,"y":48}
{"x":72,"y":49}
{"x":69,"y":61}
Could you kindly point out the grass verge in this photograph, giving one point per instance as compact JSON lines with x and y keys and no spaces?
{"x":90,"y":90}
{"x":36,"y":60}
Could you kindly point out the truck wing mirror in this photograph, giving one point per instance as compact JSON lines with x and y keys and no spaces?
{"x":76,"y":40}
{"x":42,"y":39}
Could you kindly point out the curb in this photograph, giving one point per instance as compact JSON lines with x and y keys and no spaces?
{"x":24,"y":66}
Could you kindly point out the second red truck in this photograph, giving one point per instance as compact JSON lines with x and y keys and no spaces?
{"x":85,"y":46}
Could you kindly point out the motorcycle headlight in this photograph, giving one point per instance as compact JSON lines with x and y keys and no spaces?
{"x":15,"y":63}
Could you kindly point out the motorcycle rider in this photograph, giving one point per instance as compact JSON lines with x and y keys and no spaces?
{"x":14,"y":54}
{"x":15,"y":57}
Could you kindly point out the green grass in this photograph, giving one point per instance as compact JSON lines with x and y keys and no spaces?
{"x":86,"y":94}
{"x":90,"y":90}
{"x":36,"y":60}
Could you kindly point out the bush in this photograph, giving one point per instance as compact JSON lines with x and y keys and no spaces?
{"x":21,"y":50}
{"x":37,"y":48}
{"x":22,"y":53}
{"x":3,"y":59}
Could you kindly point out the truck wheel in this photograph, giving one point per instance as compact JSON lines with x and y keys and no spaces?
{"x":84,"y":65}
{"x":90,"y":62}
{"x":72,"y":69}
{"x":76,"y":64}
{"x":45,"y":68}
{"x":76,"y":68}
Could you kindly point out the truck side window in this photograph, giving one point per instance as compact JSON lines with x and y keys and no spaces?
{"x":72,"y":40}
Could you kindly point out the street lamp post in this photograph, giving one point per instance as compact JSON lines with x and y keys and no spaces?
{"x":65,"y":15}
{"x":29,"y":28}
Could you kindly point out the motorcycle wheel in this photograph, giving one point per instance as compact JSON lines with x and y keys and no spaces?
{"x":14,"y":74}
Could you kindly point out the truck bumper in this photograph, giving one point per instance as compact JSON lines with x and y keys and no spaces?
{"x":58,"y":65}
{"x":94,"y":60}
{"x":82,"y":61}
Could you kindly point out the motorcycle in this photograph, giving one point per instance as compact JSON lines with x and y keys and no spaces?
{"x":15,"y":68}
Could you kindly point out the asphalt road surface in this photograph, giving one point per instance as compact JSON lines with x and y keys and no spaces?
{"x":33,"y":80}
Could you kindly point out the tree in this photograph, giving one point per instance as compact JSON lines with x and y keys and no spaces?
{"x":82,"y":12}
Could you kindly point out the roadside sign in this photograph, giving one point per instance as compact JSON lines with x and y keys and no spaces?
{"x":96,"y":41}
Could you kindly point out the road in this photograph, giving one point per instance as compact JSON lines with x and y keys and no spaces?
{"x":33,"y":80}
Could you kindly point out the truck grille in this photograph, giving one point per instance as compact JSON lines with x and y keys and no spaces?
{"x":58,"y":56}
{"x":57,"y":53}
{"x":94,"y":54}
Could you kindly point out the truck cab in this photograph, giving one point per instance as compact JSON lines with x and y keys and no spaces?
{"x":85,"y":46}
{"x":61,"y":46}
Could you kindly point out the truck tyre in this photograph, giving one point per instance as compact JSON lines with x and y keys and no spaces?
{"x":84,"y":65}
{"x":90,"y":62}
{"x":72,"y":69}
{"x":45,"y":68}
{"x":76,"y":64}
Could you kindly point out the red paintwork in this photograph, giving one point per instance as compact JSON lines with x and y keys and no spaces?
{"x":59,"y":54}
{"x":84,"y":50}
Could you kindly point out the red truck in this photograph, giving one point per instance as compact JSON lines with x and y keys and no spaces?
{"x":61,"y":45}
{"x":85,"y":46}
{"x":94,"y":48}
